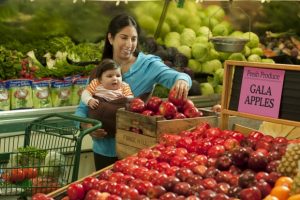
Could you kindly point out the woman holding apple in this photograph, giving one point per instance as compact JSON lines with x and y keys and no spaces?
{"x":139,"y":70}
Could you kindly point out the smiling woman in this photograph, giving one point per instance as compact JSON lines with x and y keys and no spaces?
{"x":140,"y":71}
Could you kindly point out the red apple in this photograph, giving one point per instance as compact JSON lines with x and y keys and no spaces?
{"x":262,"y":144}
{"x":116,"y":177}
{"x":268,"y":138}
{"x":273,"y":176}
{"x":177,"y":160}
{"x":224,"y":176}
{"x":89,"y":183}
{"x":216,"y":151}
{"x":194,"y":180}
{"x":263,"y":187}
{"x":168,"y":196}
{"x":255,"y":135}
{"x":162,"y":166}
{"x":182,"y":188}
{"x":231,"y":143}
{"x":201,"y":159}
{"x":222,"y":188}
{"x":179,"y":115}
{"x":207,"y":194}
{"x":200,"y":170}
{"x":237,"y":135}
{"x":257,"y":161}
{"x":281,"y":140}
{"x":221,"y":196}
{"x":130,"y":193}
{"x":169,"y":182}
{"x":156,"y":191}
{"x":261,"y":176}
{"x":148,"y":113}
{"x":137,"y":105}
{"x":192,"y":112}
{"x":190,"y":164}
{"x":209,"y":183}
{"x":154,"y":103}
{"x":211,"y":172}
{"x":172,"y":170}
{"x":167,"y":109}
{"x":184,"y":142}
{"x":234,"y":191}
{"x":174,"y":99}
{"x":105,"y":174}
{"x":246,"y":179}
{"x":188,"y":104}
{"x":75,"y":191}
{"x":252,"y":193}
{"x":272,"y":166}
{"x":184,"y":173}
{"x":223,"y":162}
{"x":213,"y":133}
{"x":92,"y":194}
{"x":110,"y":197}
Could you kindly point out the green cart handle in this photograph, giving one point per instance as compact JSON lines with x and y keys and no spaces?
{"x":96,"y":124}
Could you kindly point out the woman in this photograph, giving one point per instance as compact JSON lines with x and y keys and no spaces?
{"x":140,"y":71}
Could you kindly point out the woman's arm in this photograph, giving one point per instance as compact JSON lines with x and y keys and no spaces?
{"x":180,"y":82}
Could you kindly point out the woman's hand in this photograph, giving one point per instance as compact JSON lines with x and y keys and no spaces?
{"x":97,"y":134}
{"x":216,"y":108}
{"x":182,"y":89}
{"x":93,"y":103}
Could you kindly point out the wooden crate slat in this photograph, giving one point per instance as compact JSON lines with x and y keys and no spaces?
{"x":124,"y":151}
{"x":134,"y":139}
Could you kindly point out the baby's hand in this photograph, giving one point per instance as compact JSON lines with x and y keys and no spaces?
{"x":93,"y":103}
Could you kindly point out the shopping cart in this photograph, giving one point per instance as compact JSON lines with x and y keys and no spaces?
{"x":43,"y":158}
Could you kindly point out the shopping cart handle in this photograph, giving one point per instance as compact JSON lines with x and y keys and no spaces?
{"x":96,"y":124}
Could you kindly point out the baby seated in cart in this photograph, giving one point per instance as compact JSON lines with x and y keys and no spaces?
{"x":105,"y":94}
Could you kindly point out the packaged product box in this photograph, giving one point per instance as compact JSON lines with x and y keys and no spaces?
{"x":41,"y":94}
{"x":79,"y":85}
{"x":21,"y":93}
{"x":4,"y":96}
{"x":61,"y":92}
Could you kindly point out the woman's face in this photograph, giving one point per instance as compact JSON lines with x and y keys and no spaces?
{"x":111,"y":79}
{"x":124,"y":43}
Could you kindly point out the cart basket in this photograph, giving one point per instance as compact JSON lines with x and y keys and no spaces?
{"x":43,"y":158}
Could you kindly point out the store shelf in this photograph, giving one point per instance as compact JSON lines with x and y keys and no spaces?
{"x":16,"y":120}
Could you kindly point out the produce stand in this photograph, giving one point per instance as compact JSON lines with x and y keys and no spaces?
{"x":49,"y":148}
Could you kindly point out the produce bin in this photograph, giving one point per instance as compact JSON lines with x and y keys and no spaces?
{"x":136,"y":131}
{"x":43,"y":158}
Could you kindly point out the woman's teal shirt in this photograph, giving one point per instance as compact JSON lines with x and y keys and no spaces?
{"x":142,"y":77}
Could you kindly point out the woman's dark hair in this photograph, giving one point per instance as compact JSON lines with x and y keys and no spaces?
{"x":115,"y":26}
{"x":106,"y":64}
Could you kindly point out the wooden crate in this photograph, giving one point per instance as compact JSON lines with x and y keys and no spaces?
{"x":150,"y":128}
{"x":153,"y":126}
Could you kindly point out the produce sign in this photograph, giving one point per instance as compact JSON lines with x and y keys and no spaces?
{"x":261,"y":91}
{"x":266,"y":91}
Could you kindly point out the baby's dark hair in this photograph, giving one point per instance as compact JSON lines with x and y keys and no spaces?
{"x":106,"y":64}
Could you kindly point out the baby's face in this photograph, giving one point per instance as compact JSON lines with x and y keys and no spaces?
{"x":111,"y":79}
